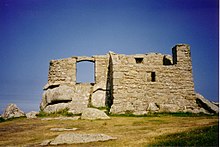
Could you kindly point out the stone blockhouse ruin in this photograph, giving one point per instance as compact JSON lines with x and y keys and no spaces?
{"x":136,"y":84}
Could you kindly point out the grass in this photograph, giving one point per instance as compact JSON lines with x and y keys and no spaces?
{"x":206,"y":136}
{"x":2,"y":119}
{"x":144,"y":122}
{"x":11,"y":119}
{"x":176,"y":114}
{"x":130,"y":131}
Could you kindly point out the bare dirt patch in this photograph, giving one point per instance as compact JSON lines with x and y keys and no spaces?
{"x":130,"y":131}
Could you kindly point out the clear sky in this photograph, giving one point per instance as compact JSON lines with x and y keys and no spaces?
{"x":33,"y":32}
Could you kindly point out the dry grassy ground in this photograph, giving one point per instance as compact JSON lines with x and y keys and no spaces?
{"x":130,"y":131}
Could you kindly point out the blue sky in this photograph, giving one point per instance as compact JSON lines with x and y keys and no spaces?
{"x":33,"y":32}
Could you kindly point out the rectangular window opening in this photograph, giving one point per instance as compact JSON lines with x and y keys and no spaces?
{"x":85,"y":72}
{"x":153,"y":77}
{"x":139,"y":60}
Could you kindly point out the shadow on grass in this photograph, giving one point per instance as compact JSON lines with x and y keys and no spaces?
{"x":207,"y":136}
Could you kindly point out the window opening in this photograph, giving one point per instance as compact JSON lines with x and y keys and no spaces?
{"x":166,"y":61}
{"x":139,"y":60}
{"x":85,"y":72}
{"x":153,"y":76}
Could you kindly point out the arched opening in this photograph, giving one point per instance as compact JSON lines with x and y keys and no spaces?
{"x":85,"y":72}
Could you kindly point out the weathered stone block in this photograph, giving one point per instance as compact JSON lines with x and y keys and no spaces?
{"x":32,"y":114}
{"x":169,"y":108}
{"x":98,"y":98}
{"x":73,"y":138}
{"x":153,"y":107}
{"x":55,"y":107}
{"x":92,"y":114}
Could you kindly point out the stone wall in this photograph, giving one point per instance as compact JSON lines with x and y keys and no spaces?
{"x":136,"y":84}
{"x":62,"y":71}
{"x":98,"y":97}
{"x":140,"y":80}
{"x":62,"y":91}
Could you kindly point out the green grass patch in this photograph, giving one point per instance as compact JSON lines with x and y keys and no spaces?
{"x":207,"y":136}
{"x":125,"y":115}
{"x":176,"y":114}
{"x":2,"y":119}
{"x":146,"y":122}
{"x":11,"y":119}
{"x":186,"y":114}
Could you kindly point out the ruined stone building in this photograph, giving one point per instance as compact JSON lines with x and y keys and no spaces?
{"x":136,"y":84}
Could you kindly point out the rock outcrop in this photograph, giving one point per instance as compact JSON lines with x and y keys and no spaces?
{"x":206,"y":104}
{"x":61,"y":118}
{"x":73,"y":138}
{"x":76,"y":99}
{"x":12,"y":111}
{"x":56,"y":107}
{"x":32,"y":114}
{"x":98,"y":98}
{"x":152,"y":107}
{"x":92,"y":114}
{"x":63,"y":129}
{"x":169,"y":108}
{"x":56,"y":95}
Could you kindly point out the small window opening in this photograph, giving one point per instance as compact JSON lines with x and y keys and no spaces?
{"x":166,"y":61}
{"x":153,"y":76}
{"x":139,"y":60}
